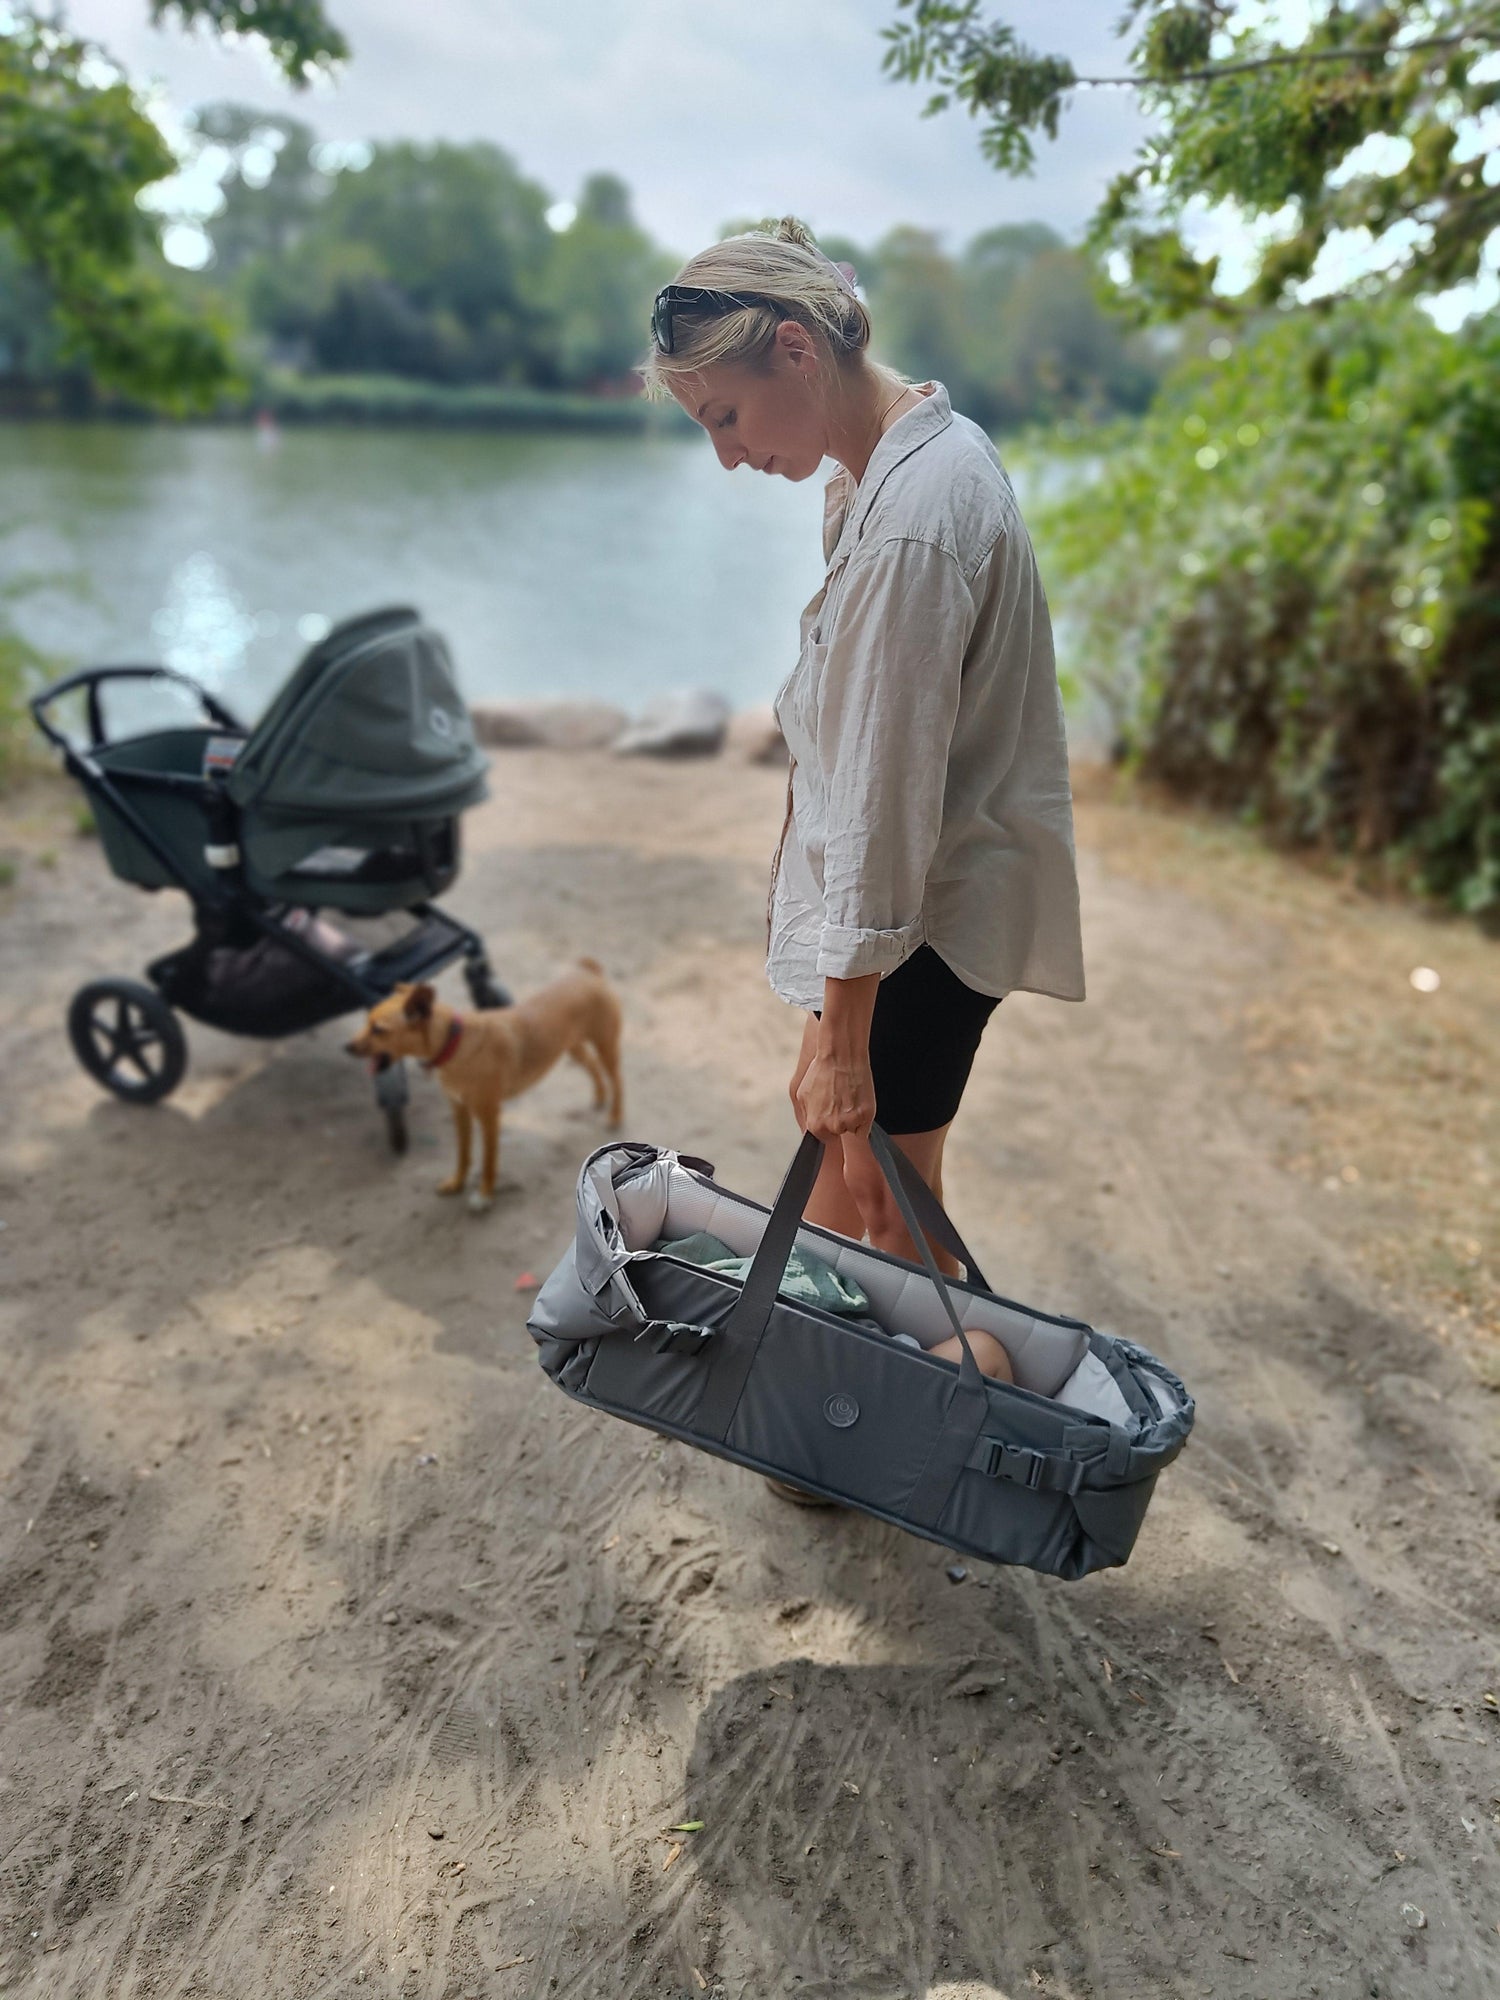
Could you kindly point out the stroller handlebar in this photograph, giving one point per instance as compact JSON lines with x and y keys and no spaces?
{"x":92,"y":678}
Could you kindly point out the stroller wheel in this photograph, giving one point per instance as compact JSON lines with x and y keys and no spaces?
{"x":128,"y":1039}
{"x":395,"y":1127}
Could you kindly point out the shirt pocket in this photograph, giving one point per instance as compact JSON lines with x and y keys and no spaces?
{"x":797,"y":703}
{"x":817,"y":620}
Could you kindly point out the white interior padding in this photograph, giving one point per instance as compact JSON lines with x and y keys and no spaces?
{"x":1051,"y":1360}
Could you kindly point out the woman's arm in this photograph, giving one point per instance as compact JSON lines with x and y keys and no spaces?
{"x":887,"y":706}
{"x":836,"y":1093}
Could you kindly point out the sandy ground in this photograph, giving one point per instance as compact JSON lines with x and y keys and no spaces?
{"x":340,"y":1655}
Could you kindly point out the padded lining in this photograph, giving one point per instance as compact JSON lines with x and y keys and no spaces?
{"x":677,"y":1203}
{"x":667,"y":1199}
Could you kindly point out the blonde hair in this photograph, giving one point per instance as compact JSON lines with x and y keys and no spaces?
{"x":782,"y":263}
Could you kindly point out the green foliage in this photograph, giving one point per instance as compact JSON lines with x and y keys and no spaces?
{"x":298,"y":35}
{"x":433,"y":262}
{"x":1013,"y":324}
{"x":398,"y":399}
{"x":77,"y":148}
{"x":21,"y":670}
{"x":604,"y":271}
{"x":1288,"y":576}
{"x":984,"y":67}
{"x":1287,"y":582}
{"x":1246,"y":119}
{"x":435,"y":265}
{"x":270,"y":185}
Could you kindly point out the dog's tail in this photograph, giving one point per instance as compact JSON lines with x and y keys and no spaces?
{"x":592,"y":965}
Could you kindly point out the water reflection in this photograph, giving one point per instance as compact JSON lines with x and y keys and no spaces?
{"x":560,"y":565}
{"x":202,"y":628}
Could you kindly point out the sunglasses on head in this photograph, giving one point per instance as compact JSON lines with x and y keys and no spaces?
{"x":695,"y":299}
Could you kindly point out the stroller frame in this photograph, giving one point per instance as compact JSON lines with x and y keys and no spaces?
{"x":141,"y":1054}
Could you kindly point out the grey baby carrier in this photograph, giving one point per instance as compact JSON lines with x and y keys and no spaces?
{"x":1054,"y":1471}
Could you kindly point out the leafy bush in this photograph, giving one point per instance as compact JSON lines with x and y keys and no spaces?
{"x":1287,"y":578}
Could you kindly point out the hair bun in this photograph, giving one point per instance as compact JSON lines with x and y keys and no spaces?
{"x":790,"y":229}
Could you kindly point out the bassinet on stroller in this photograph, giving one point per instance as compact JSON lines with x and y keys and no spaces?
{"x":344,"y":797}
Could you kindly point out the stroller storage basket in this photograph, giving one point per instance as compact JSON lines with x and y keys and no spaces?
{"x":1054,"y":1471}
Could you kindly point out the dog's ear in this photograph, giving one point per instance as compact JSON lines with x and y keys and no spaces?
{"x":419,"y":1001}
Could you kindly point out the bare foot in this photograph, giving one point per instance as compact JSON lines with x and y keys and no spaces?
{"x":453,"y":1185}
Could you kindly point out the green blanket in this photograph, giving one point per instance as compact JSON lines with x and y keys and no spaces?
{"x":808,"y":1281}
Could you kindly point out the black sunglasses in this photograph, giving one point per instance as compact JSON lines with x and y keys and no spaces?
{"x":697,"y":299}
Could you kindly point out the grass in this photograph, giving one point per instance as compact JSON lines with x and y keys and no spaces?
{"x":391,"y":399}
{"x":19,"y":665}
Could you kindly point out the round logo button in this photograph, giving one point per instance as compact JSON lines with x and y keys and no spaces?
{"x":841,"y":1411}
{"x":440,"y":722}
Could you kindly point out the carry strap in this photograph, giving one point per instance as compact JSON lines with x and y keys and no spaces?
{"x":744,"y":1328}
{"x":933,"y":1217}
{"x":968,"y":1405}
{"x":745,"y":1325}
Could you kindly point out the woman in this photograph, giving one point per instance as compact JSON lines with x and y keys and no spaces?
{"x":926,"y":864}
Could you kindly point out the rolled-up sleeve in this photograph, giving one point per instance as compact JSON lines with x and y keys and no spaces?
{"x":887,"y":705}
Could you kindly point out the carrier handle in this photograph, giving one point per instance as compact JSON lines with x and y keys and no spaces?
{"x":886,"y":1157}
{"x":745,"y":1325}
{"x":931,"y":1213}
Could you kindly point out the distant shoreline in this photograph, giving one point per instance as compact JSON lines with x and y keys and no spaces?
{"x":359,"y":400}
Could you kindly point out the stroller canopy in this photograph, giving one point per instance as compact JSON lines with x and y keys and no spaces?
{"x":370,"y":727}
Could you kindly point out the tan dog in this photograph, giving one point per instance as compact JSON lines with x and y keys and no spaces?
{"x":483,"y":1058}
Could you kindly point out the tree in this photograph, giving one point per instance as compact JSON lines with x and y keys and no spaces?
{"x":1052,"y":351}
{"x":429,"y":260}
{"x":1368,"y":134}
{"x":1288,"y":575}
{"x":1012,"y":324}
{"x":270,"y":185}
{"x":917,"y":305}
{"x":604,"y":270}
{"x":77,"y":147}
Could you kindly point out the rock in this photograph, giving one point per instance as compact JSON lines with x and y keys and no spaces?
{"x":755,"y":737}
{"x":692,"y":723}
{"x":551,"y":725}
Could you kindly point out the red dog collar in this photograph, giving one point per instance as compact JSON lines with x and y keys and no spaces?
{"x":444,"y":1054}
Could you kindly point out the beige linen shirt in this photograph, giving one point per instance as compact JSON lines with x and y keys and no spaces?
{"x":929,"y":792}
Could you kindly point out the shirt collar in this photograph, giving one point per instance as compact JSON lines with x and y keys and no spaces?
{"x":847,"y":505}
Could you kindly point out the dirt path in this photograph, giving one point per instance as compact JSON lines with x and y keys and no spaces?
{"x":341,"y":1656}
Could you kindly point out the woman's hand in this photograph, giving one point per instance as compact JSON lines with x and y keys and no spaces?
{"x":833,"y":1091}
{"x":835,"y":1096}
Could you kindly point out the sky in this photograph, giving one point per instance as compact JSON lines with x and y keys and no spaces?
{"x":709,"y":109}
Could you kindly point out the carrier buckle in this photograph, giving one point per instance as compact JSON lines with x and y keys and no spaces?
{"x":676,"y":1336}
{"x":1038,"y":1471}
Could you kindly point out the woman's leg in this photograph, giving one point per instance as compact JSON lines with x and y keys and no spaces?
{"x":864,"y":1185}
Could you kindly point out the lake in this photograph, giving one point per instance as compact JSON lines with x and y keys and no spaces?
{"x":557,"y":564}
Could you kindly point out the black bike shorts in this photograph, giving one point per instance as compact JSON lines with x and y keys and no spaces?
{"x":923,"y":1040}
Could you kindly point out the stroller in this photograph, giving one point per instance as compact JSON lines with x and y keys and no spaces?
{"x":343,"y":798}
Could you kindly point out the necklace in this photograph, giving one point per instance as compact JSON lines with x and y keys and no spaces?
{"x":900,"y":396}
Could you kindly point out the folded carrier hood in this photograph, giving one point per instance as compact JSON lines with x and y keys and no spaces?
{"x":370,"y":725}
